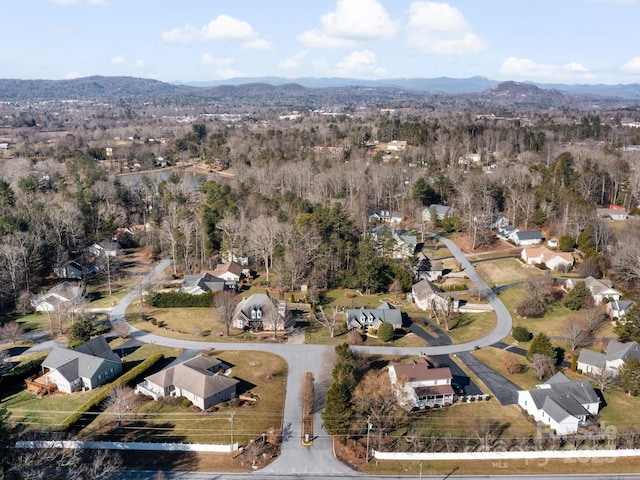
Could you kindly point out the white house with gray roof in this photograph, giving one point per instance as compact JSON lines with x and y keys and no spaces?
{"x":612,"y":360}
{"x":437,"y":212}
{"x":364,"y":318}
{"x":561,"y":404}
{"x":261,"y":312}
{"x":84,"y":368}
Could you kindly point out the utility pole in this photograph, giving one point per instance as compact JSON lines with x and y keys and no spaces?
{"x":369,"y":426}
{"x":231,"y":415}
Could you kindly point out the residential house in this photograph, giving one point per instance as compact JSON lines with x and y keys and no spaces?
{"x":506,"y":232}
{"x":418,"y":386}
{"x":427,"y":296}
{"x":619,"y":308}
{"x":437,"y":212}
{"x":385,"y":216}
{"x":394,"y":243}
{"x":396,"y":145}
{"x":200,"y":379}
{"x":614,"y":212}
{"x":553,"y":260}
{"x":612,"y":360}
{"x":561,"y":404}
{"x":65,"y":293}
{"x":261,"y":312}
{"x":84,"y":368}
{"x":599,"y":289}
{"x":365,"y":318}
{"x":498,"y":221}
{"x":531,"y":237}
{"x":81,"y":268}
{"x":202,"y":283}
{"x":427,"y":268}
{"x":104,"y":247}
{"x":553,"y":243}
{"x":230,"y":272}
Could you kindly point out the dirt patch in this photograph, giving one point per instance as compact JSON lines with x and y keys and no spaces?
{"x":464,"y":243}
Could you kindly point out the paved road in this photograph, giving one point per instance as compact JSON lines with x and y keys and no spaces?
{"x":295,"y":459}
{"x":503,"y":389}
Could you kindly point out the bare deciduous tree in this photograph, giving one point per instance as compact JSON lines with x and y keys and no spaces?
{"x":577,"y":335}
{"x":122,"y":330}
{"x":224,"y":304}
{"x":543,"y":365}
{"x":120,"y":401}
{"x":12,"y":331}
{"x":605,"y":379}
{"x":329,"y":321}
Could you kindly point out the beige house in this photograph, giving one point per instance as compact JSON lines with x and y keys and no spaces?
{"x":260,"y":312}
{"x":200,"y":379}
{"x":599,"y":289}
{"x":553,"y":260}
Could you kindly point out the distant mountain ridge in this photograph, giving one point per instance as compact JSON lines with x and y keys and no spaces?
{"x":270,"y":91}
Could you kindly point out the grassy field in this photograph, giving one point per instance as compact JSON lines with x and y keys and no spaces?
{"x":495,"y":358}
{"x":262,"y":373}
{"x":472,"y":326}
{"x":505,"y":271}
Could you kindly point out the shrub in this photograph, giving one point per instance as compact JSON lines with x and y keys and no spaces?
{"x":512,"y":366}
{"x":576,"y":298}
{"x":566,"y":243}
{"x":20,"y":372}
{"x":386,"y":332}
{"x":521,"y":334}
{"x":354,"y":337}
{"x":180,"y":300}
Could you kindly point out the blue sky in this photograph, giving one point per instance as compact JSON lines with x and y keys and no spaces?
{"x":565,"y":41}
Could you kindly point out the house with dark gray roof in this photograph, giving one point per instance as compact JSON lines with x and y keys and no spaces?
{"x":84,"y":368}
{"x":616,"y":355}
{"x":437,"y":212}
{"x":200,"y":379}
{"x":201,"y":283}
{"x":63,"y":295}
{"x":561,"y":404}
{"x":261,"y":312}
{"x":365,"y":318}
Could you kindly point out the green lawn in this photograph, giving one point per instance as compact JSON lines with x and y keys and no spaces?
{"x":263,"y":373}
{"x":495,"y":358}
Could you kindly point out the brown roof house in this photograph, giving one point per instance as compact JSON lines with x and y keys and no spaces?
{"x":84,"y":368}
{"x":553,"y":260}
{"x":419,"y":386}
{"x":261,"y":312}
{"x":200,"y":379}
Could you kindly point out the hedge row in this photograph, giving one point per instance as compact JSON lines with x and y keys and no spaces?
{"x":94,"y":402}
{"x":180,"y":300}
{"x":20,"y":372}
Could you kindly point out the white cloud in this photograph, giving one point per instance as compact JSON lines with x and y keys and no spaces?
{"x":62,"y":30}
{"x":294,"y":61}
{"x":223,"y":68}
{"x":352,"y":22}
{"x":441,"y":29}
{"x":117,"y":60}
{"x":138,"y":64}
{"x":72,"y":75}
{"x":223,"y":28}
{"x":632,"y":66}
{"x":528,"y":68}
{"x":360,"y":63}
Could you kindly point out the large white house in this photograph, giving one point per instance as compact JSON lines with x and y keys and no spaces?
{"x":612,"y":360}
{"x":599,"y":289}
{"x":419,"y":386}
{"x":553,"y":260}
{"x":561,"y":404}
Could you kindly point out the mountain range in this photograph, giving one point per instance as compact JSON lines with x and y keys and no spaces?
{"x":271,"y":91}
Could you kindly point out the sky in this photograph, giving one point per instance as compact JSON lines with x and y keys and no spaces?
{"x":544,"y":41}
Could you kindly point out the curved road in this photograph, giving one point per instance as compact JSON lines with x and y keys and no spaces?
{"x":317,"y":459}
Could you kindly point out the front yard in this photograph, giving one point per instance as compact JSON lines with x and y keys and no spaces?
{"x":504,"y":271}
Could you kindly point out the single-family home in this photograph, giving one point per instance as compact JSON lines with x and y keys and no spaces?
{"x":599,"y":289}
{"x":394,"y":243}
{"x":65,"y":293}
{"x":498,"y":221}
{"x":522,"y":238}
{"x":619,"y":308}
{"x":104,"y":247}
{"x":614,"y":212}
{"x":561,"y":404}
{"x":427,"y":296}
{"x":615,"y":356}
{"x":83,"y":368}
{"x":261,"y":312}
{"x":385,"y":216}
{"x":553,"y":260}
{"x":364,"y":318}
{"x":553,"y":243}
{"x":437,"y":212}
{"x":428,"y":268}
{"x":202,"y":283}
{"x":506,"y":232}
{"x":419,"y":386}
{"x":81,"y":268}
{"x":230,"y":272}
{"x":200,"y":379}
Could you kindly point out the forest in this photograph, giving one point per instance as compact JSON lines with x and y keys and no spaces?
{"x":292,"y":187}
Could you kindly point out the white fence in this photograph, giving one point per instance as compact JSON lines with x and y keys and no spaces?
{"x":511,"y":455}
{"x":173,"y":447}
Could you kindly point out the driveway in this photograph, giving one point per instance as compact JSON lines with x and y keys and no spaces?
{"x":434,"y":338}
{"x":504,"y":390}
